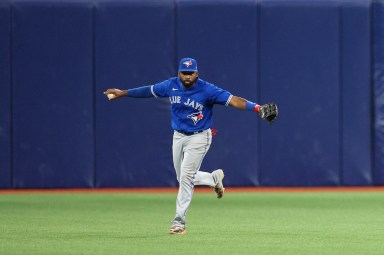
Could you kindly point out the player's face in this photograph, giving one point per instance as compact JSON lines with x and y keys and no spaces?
{"x":188,"y":78}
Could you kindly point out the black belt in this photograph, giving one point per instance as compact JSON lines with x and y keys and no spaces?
{"x":189,"y":133}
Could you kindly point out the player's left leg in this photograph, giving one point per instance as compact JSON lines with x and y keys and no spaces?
{"x":204,"y":178}
{"x":213,"y":180}
{"x":218,"y":176}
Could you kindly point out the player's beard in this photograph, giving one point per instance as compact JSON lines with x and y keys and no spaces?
{"x":190,"y":82}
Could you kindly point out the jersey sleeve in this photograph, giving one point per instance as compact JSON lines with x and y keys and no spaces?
{"x":161,"y":89}
{"x":219,"y":96}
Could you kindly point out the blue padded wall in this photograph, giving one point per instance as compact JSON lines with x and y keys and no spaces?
{"x":5,"y":95}
{"x":320,"y":61}
{"x":52,"y":94}
{"x":356,"y":101}
{"x":222,"y":36}
{"x":378,"y":79}
{"x":299,"y":69}
{"x":134,"y":46}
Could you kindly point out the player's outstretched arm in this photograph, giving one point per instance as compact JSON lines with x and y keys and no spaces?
{"x":241,"y":103}
{"x":268,"y":112}
{"x":140,"y":92}
{"x":113,"y":94}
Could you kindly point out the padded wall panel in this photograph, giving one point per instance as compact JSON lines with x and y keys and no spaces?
{"x":300,"y":71}
{"x":222,"y":36}
{"x":356,"y":94}
{"x":378,"y":77}
{"x":134,"y":47}
{"x":5,"y":95}
{"x":52,"y":94}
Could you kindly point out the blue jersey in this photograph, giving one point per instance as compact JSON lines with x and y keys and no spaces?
{"x":191,"y":108}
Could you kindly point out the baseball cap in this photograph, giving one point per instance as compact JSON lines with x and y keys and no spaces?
{"x":188,"y":65}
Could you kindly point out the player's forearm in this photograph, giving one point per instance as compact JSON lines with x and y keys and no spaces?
{"x":238,"y":102}
{"x":243,"y":104}
{"x":140,"y":92}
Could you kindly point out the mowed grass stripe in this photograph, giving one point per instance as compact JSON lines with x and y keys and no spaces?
{"x":240,"y":223}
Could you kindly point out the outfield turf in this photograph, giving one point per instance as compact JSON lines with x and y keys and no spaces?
{"x":240,"y":223}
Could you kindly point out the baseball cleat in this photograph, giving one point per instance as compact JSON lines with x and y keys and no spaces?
{"x":218,"y":176}
{"x":177,"y":230}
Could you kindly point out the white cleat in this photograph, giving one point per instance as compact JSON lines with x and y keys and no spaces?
{"x":218,"y":176}
{"x":177,"y":230}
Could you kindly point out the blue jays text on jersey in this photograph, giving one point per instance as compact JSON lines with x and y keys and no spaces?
{"x":191,"y":108}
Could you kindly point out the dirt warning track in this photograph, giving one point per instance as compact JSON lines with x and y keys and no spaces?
{"x":198,"y":190}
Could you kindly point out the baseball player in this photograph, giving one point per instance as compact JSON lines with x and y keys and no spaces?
{"x":191,"y":102}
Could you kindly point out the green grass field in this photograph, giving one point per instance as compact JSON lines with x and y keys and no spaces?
{"x":240,"y":223}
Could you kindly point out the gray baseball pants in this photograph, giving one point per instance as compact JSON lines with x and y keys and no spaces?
{"x":188,"y":154}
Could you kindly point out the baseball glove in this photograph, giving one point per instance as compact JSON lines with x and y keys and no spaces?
{"x":269,"y":112}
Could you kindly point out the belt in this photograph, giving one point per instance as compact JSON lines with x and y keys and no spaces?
{"x":189,"y":133}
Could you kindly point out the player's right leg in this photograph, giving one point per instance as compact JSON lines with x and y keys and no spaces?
{"x":177,"y":153}
{"x":177,"y":230}
{"x":194,"y":149}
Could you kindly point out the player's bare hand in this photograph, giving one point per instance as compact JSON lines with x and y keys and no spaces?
{"x":113,"y":94}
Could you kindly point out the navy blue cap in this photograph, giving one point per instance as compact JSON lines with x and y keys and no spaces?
{"x":188,"y":65}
